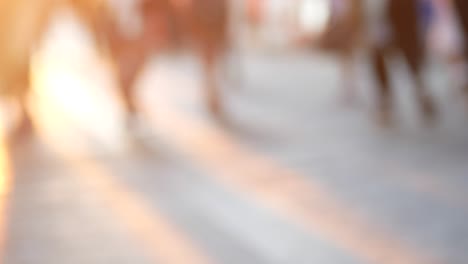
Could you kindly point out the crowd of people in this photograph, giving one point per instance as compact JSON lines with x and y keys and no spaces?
{"x":412,"y":28}
{"x":127,"y":32}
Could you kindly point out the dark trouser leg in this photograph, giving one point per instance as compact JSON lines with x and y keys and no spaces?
{"x":408,"y":40}
{"x":384,"y":95}
{"x":461,"y":7}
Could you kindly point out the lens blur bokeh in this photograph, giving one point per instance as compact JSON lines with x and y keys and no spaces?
{"x":233,"y":131}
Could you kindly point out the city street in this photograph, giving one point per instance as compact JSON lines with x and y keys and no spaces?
{"x":290,"y":175}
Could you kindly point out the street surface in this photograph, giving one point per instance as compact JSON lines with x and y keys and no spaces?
{"x":291,"y":175}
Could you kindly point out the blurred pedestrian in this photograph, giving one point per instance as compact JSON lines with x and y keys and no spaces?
{"x":444,"y":40}
{"x":394,"y":26}
{"x":205,"y":23}
{"x":133,"y":33}
{"x":22,"y":24}
{"x":343,"y":36}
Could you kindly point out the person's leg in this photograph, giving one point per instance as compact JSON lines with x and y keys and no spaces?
{"x":128,"y":93}
{"x":425,"y":101}
{"x":25,"y":126}
{"x":129,"y":67}
{"x":384,"y":95}
{"x":209,"y":59}
{"x":461,"y":7}
{"x":408,"y":40}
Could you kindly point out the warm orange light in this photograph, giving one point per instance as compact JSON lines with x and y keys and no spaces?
{"x":4,"y":185}
{"x":4,"y":163}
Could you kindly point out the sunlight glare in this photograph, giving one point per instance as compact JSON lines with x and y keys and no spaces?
{"x":314,"y":15}
{"x":73,"y":90}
